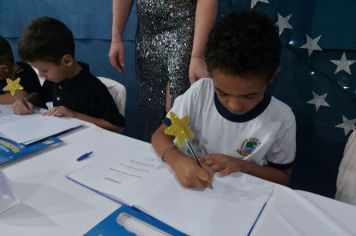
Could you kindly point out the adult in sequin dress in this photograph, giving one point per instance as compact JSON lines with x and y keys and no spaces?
{"x":170,"y":44}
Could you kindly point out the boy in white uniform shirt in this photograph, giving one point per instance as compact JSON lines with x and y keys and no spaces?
{"x":241,"y":127}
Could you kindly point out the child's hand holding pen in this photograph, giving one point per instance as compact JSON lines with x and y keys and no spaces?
{"x":198,"y":159}
{"x":191,"y":174}
{"x":22,"y":107}
{"x":23,"y":100}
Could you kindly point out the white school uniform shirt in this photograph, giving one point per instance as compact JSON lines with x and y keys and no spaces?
{"x":265,"y":135}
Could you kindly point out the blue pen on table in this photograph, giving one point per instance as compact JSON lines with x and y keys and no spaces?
{"x":84,"y":156}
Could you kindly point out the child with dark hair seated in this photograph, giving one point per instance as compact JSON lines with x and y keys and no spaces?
{"x":241,"y":126}
{"x":10,"y":70}
{"x":48,"y":45}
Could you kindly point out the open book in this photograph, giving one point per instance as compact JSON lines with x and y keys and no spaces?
{"x":34,"y":127}
{"x":145,"y":183}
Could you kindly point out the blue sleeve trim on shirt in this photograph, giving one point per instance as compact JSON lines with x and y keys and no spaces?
{"x":167,"y":121}
{"x":280,"y":166}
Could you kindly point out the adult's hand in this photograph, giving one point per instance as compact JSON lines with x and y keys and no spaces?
{"x":117,"y":55}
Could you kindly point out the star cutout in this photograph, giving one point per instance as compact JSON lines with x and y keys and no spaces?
{"x":343,"y":64}
{"x":254,"y":2}
{"x":13,"y":86}
{"x":283,"y":23}
{"x":347,"y":125}
{"x":318,"y":101}
{"x":179,"y":129}
{"x":312,"y":44}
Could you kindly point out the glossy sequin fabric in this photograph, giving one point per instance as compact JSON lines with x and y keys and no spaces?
{"x":163,"y":46}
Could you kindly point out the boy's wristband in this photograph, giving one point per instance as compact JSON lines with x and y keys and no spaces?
{"x":165,"y":151}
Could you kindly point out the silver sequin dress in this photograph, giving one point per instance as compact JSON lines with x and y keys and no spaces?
{"x":164,"y":42}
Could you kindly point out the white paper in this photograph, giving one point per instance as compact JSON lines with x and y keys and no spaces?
{"x":8,"y":198}
{"x":122,"y":179}
{"x":5,"y":110}
{"x":30,"y":128}
{"x":230,"y":208}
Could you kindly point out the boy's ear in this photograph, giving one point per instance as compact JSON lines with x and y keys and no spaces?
{"x":67,"y":60}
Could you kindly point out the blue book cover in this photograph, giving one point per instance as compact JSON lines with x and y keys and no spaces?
{"x":11,"y":151}
{"x":117,"y":224}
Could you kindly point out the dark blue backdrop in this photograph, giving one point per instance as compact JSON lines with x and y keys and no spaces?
{"x":320,"y":142}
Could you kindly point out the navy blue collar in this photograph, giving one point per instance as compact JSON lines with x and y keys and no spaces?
{"x":256,"y":111}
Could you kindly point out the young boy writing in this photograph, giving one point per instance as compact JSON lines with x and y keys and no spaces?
{"x":11,"y":70}
{"x":48,"y":45}
{"x":241,"y":127}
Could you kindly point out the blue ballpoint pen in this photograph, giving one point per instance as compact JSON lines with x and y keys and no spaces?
{"x":84,"y":156}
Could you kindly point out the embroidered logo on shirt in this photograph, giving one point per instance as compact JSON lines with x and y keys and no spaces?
{"x":248,"y":147}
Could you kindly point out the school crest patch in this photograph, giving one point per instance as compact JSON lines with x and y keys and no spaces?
{"x":248,"y":147}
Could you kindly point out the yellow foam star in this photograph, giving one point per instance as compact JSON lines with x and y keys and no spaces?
{"x":13,"y":86}
{"x":179,"y":129}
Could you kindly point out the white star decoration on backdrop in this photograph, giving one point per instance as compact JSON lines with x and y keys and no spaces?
{"x":347,"y":125}
{"x":283,"y":23}
{"x":318,"y":101}
{"x":343,"y":64}
{"x":254,"y":2}
{"x":312,"y":44}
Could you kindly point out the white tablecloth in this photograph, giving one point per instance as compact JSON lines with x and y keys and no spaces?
{"x":53,"y":205}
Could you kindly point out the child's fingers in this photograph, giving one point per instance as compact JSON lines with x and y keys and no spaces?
{"x":198,"y":183}
{"x":30,"y":106}
{"x":204,"y":178}
{"x":215,"y":167}
{"x":209,"y":169}
{"x":49,"y":112}
{"x":58,"y":112}
{"x":225,"y":171}
{"x":52,"y":112}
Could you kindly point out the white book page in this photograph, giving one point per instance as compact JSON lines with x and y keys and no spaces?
{"x":230,"y":208}
{"x":30,"y":128}
{"x":124,"y":178}
{"x":5,"y":110}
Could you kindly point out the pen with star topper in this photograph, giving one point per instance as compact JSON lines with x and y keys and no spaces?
{"x":13,"y":86}
{"x":183,"y":134}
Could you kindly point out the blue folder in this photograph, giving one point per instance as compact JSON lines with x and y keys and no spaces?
{"x":11,"y":151}
{"x":110,"y":227}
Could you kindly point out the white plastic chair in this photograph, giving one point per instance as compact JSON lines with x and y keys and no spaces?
{"x":117,"y":91}
{"x":346,"y":179}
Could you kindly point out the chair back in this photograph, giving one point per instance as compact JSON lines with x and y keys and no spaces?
{"x":117,"y":91}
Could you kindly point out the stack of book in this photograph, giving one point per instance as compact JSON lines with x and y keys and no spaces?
{"x":23,"y":136}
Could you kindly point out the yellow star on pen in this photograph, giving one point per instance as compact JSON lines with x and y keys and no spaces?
{"x":13,"y":86}
{"x":179,"y":129}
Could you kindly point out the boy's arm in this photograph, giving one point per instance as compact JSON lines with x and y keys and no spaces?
{"x":186,"y":168}
{"x":61,"y":110}
{"x":226,"y":165}
{"x":7,"y":98}
{"x":99,"y":122}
